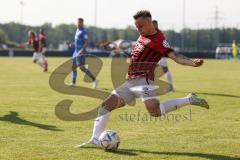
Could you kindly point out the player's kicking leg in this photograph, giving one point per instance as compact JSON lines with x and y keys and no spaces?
{"x":155,"y":108}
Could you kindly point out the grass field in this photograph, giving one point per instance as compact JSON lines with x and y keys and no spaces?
{"x":30,"y":130}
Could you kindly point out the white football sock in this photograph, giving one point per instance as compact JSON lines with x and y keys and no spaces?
{"x":169,"y":77}
{"x":173,"y":104}
{"x":100,"y":122}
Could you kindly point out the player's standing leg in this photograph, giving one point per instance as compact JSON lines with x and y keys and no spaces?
{"x":168,"y":75}
{"x":163,"y":64}
{"x":111,"y":103}
{"x":74,"y":72}
{"x":81,"y":64}
{"x":45,"y":64}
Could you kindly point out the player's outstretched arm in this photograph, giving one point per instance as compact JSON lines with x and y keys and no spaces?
{"x":183,"y":60}
{"x":22,"y":45}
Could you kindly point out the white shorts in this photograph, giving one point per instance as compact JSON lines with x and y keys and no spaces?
{"x":163,"y":62}
{"x":136,"y":88}
{"x":38,"y":57}
{"x":44,"y":50}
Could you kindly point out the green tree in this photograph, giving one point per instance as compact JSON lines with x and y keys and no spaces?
{"x":3,"y":37}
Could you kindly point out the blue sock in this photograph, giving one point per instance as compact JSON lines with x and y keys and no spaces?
{"x":74,"y":76}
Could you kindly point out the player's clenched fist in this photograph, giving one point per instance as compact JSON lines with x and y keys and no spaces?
{"x":197,"y":62}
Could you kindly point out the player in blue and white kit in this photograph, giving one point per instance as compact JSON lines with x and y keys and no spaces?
{"x":81,"y":43}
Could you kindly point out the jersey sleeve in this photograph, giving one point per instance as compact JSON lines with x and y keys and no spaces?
{"x":42,"y":40}
{"x":162,"y":47}
{"x":85,"y":35}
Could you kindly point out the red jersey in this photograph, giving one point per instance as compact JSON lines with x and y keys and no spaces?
{"x":146,"y":54}
{"x":35,"y":44}
{"x":42,"y":39}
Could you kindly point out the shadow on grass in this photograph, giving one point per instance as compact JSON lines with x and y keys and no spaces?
{"x":200,"y":155}
{"x":136,"y":152}
{"x":13,"y":117}
{"x":213,"y":94}
{"x":119,"y":151}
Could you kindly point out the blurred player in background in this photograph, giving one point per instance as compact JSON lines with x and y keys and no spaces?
{"x":163,"y":62}
{"x":235,"y":49}
{"x":38,"y":57}
{"x":43,"y":46}
{"x":81,"y":43}
{"x":150,"y":47}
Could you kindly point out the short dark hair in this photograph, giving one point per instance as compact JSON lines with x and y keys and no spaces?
{"x":32,"y":33}
{"x":155,"y":21}
{"x":142,"y":14}
{"x":81,"y":19}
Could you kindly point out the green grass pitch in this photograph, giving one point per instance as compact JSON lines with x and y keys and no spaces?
{"x":30,"y":130}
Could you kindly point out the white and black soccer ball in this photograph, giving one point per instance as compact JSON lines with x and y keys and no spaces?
{"x":109,"y":140}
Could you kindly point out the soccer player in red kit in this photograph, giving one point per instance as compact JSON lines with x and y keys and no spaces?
{"x":37,"y":55}
{"x":150,"y":47}
{"x":43,"y":47}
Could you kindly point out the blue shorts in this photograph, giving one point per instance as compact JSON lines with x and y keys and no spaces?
{"x":79,"y":60}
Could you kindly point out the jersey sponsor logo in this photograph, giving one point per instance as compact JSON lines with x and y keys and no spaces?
{"x":146,"y":90}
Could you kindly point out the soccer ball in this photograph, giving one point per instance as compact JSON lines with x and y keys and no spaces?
{"x":109,"y":140}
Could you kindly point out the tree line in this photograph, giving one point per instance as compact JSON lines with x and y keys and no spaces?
{"x":189,"y":39}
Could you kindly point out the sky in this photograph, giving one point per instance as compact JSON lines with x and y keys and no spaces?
{"x":118,"y":13}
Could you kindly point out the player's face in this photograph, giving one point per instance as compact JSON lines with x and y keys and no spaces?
{"x":30,"y":34}
{"x":144,"y":26}
{"x":80,"y":24}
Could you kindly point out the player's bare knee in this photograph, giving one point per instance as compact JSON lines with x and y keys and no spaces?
{"x":155,"y":113}
{"x":165,"y":69}
{"x":152,"y":106}
{"x":121,"y":102}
